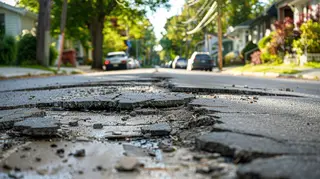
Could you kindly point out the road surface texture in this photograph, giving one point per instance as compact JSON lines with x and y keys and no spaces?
{"x":159,"y":123}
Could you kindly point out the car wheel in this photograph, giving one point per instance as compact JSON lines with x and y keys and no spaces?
{"x":210,"y":69}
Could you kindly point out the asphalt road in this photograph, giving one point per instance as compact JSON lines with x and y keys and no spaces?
{"x":248,"y":126}
{"x":178,"y":77}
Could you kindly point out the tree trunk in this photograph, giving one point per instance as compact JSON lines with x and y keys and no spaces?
{"x":97,"y":42}
{"x":43,"y":33}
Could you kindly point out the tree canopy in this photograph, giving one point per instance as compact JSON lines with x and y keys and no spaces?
{"x":91,"y":20}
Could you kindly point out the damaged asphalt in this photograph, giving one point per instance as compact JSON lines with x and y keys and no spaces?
{"x":152,"y":126}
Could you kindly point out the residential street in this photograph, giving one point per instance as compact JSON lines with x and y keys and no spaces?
{"x":159,"y":123}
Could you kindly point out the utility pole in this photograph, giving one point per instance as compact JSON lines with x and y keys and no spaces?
{"x":62,"y":27}
{"x":137,"y":49}
{"x":219,"y":36}
{"x":43,"y":33}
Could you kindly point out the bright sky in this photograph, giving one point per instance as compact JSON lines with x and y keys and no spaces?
{"x":159,"y":18}
{"x":11,"y":2}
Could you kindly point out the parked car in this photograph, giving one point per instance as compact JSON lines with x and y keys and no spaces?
{"x":133,"y":64}
{"x":137,"y":63}
{"x":179,"y":62}
{"x":200,"y":61}
{"x":116,"y":60}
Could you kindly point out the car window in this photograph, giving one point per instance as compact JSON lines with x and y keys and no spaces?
{"x":203,"y":57}
{"x":116,"y":55}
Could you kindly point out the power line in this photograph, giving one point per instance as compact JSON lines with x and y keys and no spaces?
{"x":199,"y":12}
{"x":205,"y":19}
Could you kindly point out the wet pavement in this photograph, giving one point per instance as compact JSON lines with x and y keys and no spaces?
{"x":147,"y":129}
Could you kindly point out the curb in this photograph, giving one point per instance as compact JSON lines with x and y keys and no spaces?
{"x":273,"y":75}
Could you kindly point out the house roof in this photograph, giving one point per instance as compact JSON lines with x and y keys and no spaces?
{"x":270,"y":12}
{"x":245,"y":23}
{"x":20,"y":11}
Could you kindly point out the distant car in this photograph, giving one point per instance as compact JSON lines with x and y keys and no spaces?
{"x":179,"y":62}
{"x":133,"y":64}
{"x":116,"y":60}
{"x":200,"y":61}
{"x":137,"y":63}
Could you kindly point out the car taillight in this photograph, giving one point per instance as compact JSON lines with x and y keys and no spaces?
{"x":123,"y":61}
{"x":107,"y":62}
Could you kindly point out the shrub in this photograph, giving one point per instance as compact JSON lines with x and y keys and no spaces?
{"x":310,"y":38}
{"x":255,"y":58}
{"x":27,"y":47}
{"x":8,"y":50}
{"x":53,"y":55}
{"x":264,"y":42}
{"x":250,"y":46}
{"x":27,"y":51}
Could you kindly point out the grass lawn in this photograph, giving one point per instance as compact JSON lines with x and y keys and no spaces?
{"x":313,"y":64}
{"x":39,"y":67}
{"x":274,"y":68}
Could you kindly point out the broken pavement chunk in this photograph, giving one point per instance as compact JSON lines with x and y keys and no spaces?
{"x":97,"y":126}
{"x":127,"y":164}
{"x":37,"y":126}
{"x":160,"y":129}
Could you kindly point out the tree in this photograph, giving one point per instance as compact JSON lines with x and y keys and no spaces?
{"x":86,"y":18}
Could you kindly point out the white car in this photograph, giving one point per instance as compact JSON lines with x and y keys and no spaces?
{"x":116,"y":60}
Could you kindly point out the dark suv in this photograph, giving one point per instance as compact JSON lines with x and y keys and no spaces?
{"x":200,"y":61}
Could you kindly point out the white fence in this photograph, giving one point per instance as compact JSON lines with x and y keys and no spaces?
{"x":313,"y":57}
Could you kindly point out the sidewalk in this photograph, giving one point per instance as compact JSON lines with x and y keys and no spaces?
{"x":16,"y":72}
{"x":305,"y":73}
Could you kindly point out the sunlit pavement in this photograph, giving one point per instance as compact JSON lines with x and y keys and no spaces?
{"x":159,"y":123}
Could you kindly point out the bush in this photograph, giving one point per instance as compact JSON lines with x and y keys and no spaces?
{"x":264,"y":42}
{"x":27,"y":48}
{"x":250,"y":46}
{"x":255,"y":58}
{"x":27,"y":51}
{"x":53,"y":55}
{"x":8,"y":50}
{"x":310,"y":37}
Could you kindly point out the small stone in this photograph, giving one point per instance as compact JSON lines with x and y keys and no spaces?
{"x":80,"y":153}
{"x":27,"y":148}
{"x":116,"y":133}
{"x":6,"y":167}
{"x":60,"y":152}
{"x":6,"y":146}
{"x":14,"y":175}
{"x":80,"y":172}
{"x":65,"y":161}
{"x":97,"y":126}
{"x":73,"y":123}
{"x":38,"y":159}
{"x":133,"y":114}
{"x":42,"y":171}
{"x":125,"y":118}
{"x":246,"y":86}
{"x":99,"y":168}
{"x":203,"y":170}
{"x":255,"y":98}
{"x":168,"y":149}
{"x":16,"y":169}
{"x":152,"y":153}
{"x":127,"y":164}
{"x":53,"y":145}
{"x":233,"y":85}
{"x":23,"y":156}
{"x":288,"y":89}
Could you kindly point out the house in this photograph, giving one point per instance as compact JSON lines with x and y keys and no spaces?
{"x":299,"y":10}
{"x":263,"y":24}
{"x":14,"y":20}
{"x":240,"y":34}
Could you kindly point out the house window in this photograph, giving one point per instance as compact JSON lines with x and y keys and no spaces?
{"x":2,"y":24}
{"x":247,"y":37}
